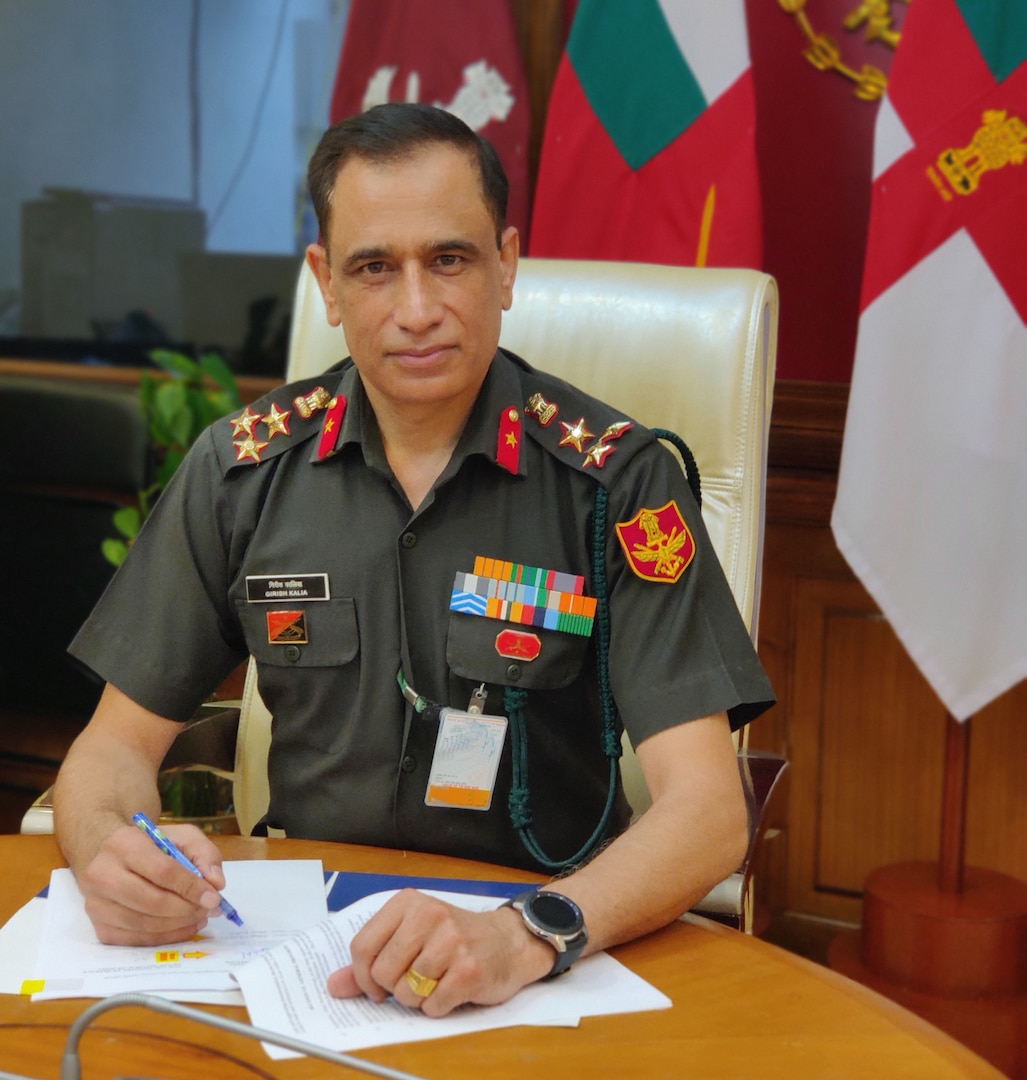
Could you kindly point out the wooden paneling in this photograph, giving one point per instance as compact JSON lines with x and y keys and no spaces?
{"x":860,"y":725}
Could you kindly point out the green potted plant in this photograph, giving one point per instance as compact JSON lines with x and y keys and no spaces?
{"x":178,"y":405}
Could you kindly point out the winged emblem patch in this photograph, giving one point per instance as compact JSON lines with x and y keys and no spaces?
{"x":657,"y":543}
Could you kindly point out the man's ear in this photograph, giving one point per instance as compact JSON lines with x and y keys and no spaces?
{"x":317,"y":260}
{"x":509,"y":253}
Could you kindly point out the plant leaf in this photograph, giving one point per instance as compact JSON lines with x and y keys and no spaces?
{"x":127,"y":521}
{"x":172,"y":410}
{"x":176,"y":363}
{"x":219,"y":371}
{"x":114,"y":551}
{"x":224,"y":403}
{"x":201,"y":411}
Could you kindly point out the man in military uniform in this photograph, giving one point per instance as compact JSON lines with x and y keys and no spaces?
{"x":457,"y":576}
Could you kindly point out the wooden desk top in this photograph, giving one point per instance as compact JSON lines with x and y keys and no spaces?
{"x":741,"y":1008}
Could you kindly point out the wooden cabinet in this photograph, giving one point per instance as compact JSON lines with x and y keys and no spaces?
{"x":861,"y":727}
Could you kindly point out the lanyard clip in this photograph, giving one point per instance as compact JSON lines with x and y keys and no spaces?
{"x":478,"y":698}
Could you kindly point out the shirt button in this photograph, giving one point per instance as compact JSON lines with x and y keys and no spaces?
{"x":292,"y":653}
{"x":513,"y":672}
{"x":409,"y":539}
{"x":408,"y":764}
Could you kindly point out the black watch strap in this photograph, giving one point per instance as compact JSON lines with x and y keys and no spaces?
{"x":555,"y":919}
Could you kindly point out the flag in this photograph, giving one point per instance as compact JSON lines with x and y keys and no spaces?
{"x":461,"y":56}
{"x":931,"y":511}
{"x":649,"y":153}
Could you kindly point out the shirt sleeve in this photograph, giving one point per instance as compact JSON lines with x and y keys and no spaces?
{"x":679,"y":649}
{"x":163,"y":632}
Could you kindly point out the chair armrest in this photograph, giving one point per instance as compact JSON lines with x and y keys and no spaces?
{"x":38,"y":818}
{"x":208,"y":739}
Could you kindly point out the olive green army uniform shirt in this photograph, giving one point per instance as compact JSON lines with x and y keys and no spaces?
{"x":291,"y":540}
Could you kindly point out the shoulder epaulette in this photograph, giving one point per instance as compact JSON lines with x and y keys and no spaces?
{"x":276,"y":423}
{"x":578,"y":429}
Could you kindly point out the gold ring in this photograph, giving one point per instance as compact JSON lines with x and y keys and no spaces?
{"x":421,"y":985}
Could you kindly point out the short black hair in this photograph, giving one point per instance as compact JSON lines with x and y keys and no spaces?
{"x":388,"y":133}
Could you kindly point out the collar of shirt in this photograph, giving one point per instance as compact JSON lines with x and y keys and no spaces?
{"x":500,"y":392}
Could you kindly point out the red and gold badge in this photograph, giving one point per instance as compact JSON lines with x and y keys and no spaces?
{"x":286,"y":628}
{"x":508,"y":440}
{"x":657,"y":543}
{"x":518,"y":645}
{"x":332,"y":429}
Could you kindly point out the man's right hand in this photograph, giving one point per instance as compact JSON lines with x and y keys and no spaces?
{"x":137,"y":895}
{"x":134,"y":893}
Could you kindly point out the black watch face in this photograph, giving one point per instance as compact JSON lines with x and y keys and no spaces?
{"x":555,"y":913}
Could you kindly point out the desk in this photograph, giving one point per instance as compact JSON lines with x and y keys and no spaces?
{"x":741,"y":1008}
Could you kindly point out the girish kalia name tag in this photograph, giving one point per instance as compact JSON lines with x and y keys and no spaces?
{"x":277,"y":587}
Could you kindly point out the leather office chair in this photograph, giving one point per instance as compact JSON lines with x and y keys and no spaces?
{"x":692,"y":350}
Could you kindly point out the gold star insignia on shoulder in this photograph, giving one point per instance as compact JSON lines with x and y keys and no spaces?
{"x":597,"y":453}
{"x":244,"y":422}
{"x":277,"y":422}
{"x":575,"y":434}
{"x":248,"y":448}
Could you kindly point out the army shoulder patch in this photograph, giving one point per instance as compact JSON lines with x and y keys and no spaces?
{"x":657,"y":543}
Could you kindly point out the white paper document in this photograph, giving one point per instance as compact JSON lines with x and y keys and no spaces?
{"x":284,"y":989}
{"x":19,"y":945}
{"x":275,"y":899}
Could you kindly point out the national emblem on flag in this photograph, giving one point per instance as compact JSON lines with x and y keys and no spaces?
{"x":931,"y":513}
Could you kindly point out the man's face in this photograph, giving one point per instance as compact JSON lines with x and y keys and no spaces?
{"x":415,"y":278}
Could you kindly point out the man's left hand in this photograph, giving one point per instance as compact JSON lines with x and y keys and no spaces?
{"x":479,"y":957}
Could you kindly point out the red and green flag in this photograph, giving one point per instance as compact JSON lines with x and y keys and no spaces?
{"x":931,"y":510}
{"x":649,"y":152}
{"x":464,"y":57}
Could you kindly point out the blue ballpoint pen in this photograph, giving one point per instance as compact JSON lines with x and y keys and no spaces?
{"x":168,"y":847}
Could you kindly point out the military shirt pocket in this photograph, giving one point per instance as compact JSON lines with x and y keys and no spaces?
{"x":472,"y":652}
{"x":321,"y":634}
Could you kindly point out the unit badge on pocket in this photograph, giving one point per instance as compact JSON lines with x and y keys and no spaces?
{"x":287,"y":628}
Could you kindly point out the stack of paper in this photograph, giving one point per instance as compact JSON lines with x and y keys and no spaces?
{"x":275,"y":899}
{"x":279,"y":961}
{"x":285,"y":991}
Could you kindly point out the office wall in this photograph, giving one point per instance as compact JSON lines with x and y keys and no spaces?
{"x":209,"y":102}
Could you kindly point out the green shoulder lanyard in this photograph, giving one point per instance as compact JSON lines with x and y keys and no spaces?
{"x":515,"y":699}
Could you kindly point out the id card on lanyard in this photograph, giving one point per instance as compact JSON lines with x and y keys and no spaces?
{"x":467,"y":753}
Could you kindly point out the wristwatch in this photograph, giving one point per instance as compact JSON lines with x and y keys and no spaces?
{"x":553,"y":918}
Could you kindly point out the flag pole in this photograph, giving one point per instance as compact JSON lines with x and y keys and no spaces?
{"x":952,"y":853}
{"x":936,"y":935}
